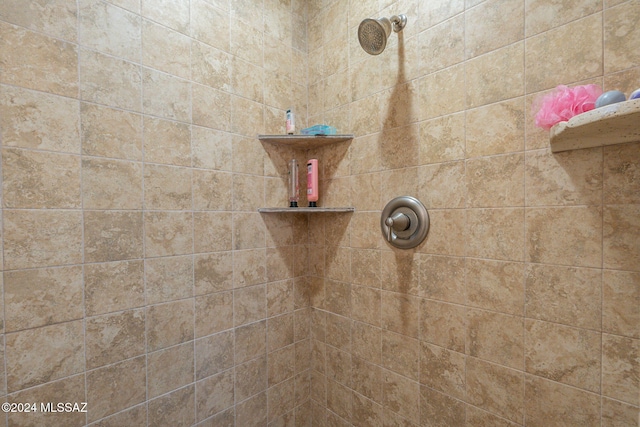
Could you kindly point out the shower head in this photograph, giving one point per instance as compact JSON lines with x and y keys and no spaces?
{"x":373,"y":33}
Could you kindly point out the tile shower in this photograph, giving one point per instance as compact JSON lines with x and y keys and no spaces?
{"x":139,"y":277}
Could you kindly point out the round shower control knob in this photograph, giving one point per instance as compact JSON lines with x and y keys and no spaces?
{"x":404,"y":222}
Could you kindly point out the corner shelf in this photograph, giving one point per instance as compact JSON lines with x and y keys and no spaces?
{"x":304,"y":141}
{"x":306,"y":210}
{"x":608,"y":125}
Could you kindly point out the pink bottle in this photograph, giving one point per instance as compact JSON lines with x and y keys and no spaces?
{"x":312,"y":182}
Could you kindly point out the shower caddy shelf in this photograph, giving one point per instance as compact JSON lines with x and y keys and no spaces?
{"x":608,"y":125}
{"x":305,"y":142}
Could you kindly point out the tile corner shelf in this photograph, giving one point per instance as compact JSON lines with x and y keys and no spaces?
{"x":304,"y":141}
{"x":306,"y":210}
{"x":608,"y":125}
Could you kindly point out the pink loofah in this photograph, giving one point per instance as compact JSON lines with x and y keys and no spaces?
{"x":565,"y":102}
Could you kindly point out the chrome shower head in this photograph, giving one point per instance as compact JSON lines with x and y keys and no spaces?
{"x":373,"y":33}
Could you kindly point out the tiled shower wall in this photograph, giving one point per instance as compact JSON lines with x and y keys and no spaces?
{"x":137,"y":274}
{"x":522,"y":307}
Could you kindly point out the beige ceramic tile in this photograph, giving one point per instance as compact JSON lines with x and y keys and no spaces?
{"x":581,"y":230}
{"x":549,"y":14}
{"x":167,"y":96}
{"x":400,"y":313}
{"x":441,"y":278}
{"x":112,"y":235}
{"x":246,"y":117}
{"x":547,"y":401}
{"x":170,"y":13}
{"x":401,"y":396}
{"x":337,"y":297}
{"x":496,"y":76}
{"x":246,"y":79}
{"x":35,"y":61}
{"x":443,"y":324}
{"x":621,"y":242}
{"x":214,"y":394}
{"x":495,"y":233}
{"x":169,"y":369}
{"x":251,"y":378}
{"x":438,"y":11}
{"x":365,"y":304}
{"x":280,"y":399}
{"x":625,"y":81}
{"x":401,"y":354}
{"x":443,"y":185}
{"x":366,"y":342}
{"x":281,"y":365}
{"x":495,"y":129}
{"x":446,"y":232}
{"x":338,"y":402}
{"x":41,"y":238}
{"x":443,"y":370}
{"x":496,"y":389}
{"x":58,"y":18}
{"x":168,"y":233}
{"x":495,"y":181}
{"x":440,"y":408}
{"x":174,"y":408}
{"x":214,"y":313}
{"x":247,"y":42}
{"x":38,"y":120}
{"x":620,"y":368}
{"x":214,"y":354}
{"x":248,"y":156}
{"x":111,"y":184}
{"x":41,"y":297}
{"x":169,"y":324}
{"x":559,"y":179}
{"x":492,"y":25}
{"x":211,"y":108}
{"x":442,"y":45}
{"x":280,"y":332}
{"x":442,"y":139}
{"x":478,"y":417}
{"x":167,"y":142}
{"x":110,"y":29}
{"x":113,"y":286}
{"x":575,"y":292}
{"x":249,"y":304}
{"x":114,"y":337}
{"x":212,"y":67}
{"x":168,"y":279}
{"x":73,"y":388}
{"x":616,"y":413}
{"x":621,"y":174}
{"x":109,"y":132}
{"x":495,"y":285}
{"x":37,"y":356}
{"x":563,"y":354}
{"x":250,"y":341}
{"x":495,"y":337}
{"x":212,"y":231}
{"x":109,"y":396}
{"x":621,"y":303}
{"x":166,"y":50}
{"x":211,"y":190}
{"x":248,"y":192}
{"x":566,"y":54}
{"x":213,"y":272}
{"x":132,"y":5}
{"x":167,"y":187}
{"x":253,"y":411}
{"x":110,"y":81}
{"x":442,"y":92}
{"x":33,"y":179}
{"x":211,"y":149}
{"x":619,"y":30}
{"x":249,"y":267}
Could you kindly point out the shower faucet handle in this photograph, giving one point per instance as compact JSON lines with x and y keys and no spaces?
{"x":397,"y":222}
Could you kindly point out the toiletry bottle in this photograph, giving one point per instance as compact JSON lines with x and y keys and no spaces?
{"x":312,"y":182}
{"x":291,"y":122}
{"x":293,"y":183}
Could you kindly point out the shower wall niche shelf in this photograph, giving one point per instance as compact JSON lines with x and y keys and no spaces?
{"x":304,"y":141}
{"x":306,"y":210}
{"x":608,"y":125}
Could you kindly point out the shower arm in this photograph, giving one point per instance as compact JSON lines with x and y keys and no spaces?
{"x":398,"y":22}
